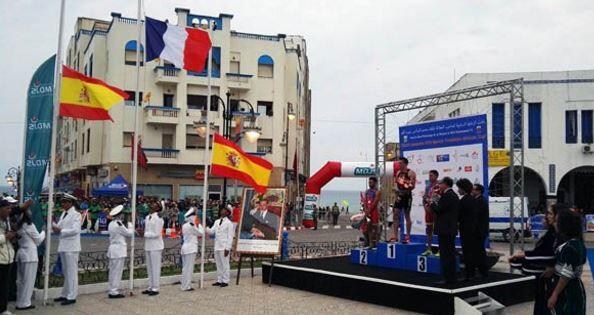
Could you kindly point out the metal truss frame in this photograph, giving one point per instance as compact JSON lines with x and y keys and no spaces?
{"x":515,"y":90}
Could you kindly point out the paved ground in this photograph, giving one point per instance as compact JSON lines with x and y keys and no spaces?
{"x":252,"y":297}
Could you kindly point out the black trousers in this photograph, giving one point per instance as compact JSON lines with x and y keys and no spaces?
{"x":473,"y":250}
{"x":4,"y":274}
{"x":541,"y":297}
{"x":335,"y":218}
{"x":447,"y":256}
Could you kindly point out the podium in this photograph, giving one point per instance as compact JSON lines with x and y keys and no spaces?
{"x":399,"y":256}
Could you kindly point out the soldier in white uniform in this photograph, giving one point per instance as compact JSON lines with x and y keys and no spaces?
{"x":117,"y":251}
{"x":189,"y":249}
{"x":223,"y":231}
{"x":26,"y":257}
{"x":153,"y":247}
{"x":68,"y":228}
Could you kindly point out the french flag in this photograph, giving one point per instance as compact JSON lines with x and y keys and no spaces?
{"x":185,"y":47}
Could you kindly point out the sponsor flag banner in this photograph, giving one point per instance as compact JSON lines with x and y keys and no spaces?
{"x":455,"y":147}
{"x":38,"y":135}
{"x":185,"y":47}
{"x":228,"y":160}
{"x":87,"y":98}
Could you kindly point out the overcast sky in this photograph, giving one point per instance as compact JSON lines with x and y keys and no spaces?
{"x":361,"y":53}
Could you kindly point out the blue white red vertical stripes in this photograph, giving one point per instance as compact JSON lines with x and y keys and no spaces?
{"x":185,"y":47}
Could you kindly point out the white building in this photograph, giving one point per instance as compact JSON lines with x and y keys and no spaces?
{"x":558,"y":136}
{"x":268,"y":71}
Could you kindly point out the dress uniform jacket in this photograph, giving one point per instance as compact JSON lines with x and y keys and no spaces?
{"x":69,"y":223}
{"x":118,"y":233}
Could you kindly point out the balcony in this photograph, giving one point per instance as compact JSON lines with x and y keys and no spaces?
{"x":161,"y":156}
{"x":161,"y":115}
{"x":166,"y":74}
{"x":239,"y":81}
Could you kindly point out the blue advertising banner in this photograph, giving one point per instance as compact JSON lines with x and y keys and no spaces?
{"x":455,"y":147}
{"x":38,"y":134}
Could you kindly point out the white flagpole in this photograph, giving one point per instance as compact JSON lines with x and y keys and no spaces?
{"x":135,"y":144}
{"x":52,"y":170}
{"x":206,"y":162}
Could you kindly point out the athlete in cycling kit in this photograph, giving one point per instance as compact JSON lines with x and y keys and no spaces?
{"x":370,"y":207}
{"x":405,"y":183}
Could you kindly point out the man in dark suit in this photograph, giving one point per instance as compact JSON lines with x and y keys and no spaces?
{"x":446,"y":228}
{"x":263,"y":223}
{"x":482,"y":231}
{"x":468,"y":227}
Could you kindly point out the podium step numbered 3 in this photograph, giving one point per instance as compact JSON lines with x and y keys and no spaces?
{"x":399,"y":256}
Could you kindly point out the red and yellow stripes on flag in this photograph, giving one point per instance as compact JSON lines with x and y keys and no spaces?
{"x":228,"y":160}
{"x":87,"y":98}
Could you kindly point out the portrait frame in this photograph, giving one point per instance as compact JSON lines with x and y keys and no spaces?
{"x":246,"y":243}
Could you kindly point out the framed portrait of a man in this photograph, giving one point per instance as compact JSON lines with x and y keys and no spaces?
{"x":260,"y":226}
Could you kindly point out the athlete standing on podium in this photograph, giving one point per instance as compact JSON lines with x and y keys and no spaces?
{"x":406,"y":180}
{"x":370,"y":207}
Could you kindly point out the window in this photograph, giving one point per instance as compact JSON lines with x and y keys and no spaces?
{"x":91,"y":66}
{"x":534,"y":126}
{"x":498,"y":126}
{"x":82,"y":152}
{"x":265,"y":108}
{"x":88,"y":139}
{"x":216,"y":65}
{"x":454,"y":113}
{"x":75,"y":149}
{"x":265,"y":67}
{"x":265,"y":146}
{"x":131,"y":101}
{"x":571,"y":126}
{"x":202,"y":142}
{"x":168,"y":100}
{"x":199,"y":102}
{"x":193,"y":141}
{"x":518,"y":121}
{"x":158,"y":191}
{"x":130,"y":53}
{"x":234,"y":105}
{"x":86,"y":70}
{"x":234,"y":67}
{"x":587,"y":131}
{"x":127,"y":141}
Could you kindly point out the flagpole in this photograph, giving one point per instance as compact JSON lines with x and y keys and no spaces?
{"x":206,"y":161}
{"x":135,"y":144}
{"x":52,"y":170}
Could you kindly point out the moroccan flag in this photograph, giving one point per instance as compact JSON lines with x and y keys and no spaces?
{"x":142,"y":160}
{"x":87,"y":98}
{"x":228,"y":160}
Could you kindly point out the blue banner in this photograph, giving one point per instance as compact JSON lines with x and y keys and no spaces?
{"x":38,"y":133}
{"x":455,"y":147}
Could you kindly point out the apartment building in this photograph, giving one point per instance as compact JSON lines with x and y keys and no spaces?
{"x":266,"y":73}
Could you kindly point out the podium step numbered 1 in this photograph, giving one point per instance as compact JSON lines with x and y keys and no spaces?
{"x":398,"y":256}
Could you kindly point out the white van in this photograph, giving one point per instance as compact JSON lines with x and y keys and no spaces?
{"x":499,"y":219}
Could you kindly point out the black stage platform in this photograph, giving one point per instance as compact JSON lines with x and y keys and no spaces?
{"x":407,"y":290}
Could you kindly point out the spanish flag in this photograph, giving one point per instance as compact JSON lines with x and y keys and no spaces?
{"x":228,"y":160}
{"x":87,"y":98}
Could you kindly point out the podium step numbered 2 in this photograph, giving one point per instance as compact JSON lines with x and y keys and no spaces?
{"x":399,"y":256}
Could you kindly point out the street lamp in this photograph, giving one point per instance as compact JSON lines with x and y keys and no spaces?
{"x":13,"y":178}
{"x":252,"y":133}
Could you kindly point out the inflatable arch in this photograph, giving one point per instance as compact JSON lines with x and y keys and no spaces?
{"x":332,"y":169}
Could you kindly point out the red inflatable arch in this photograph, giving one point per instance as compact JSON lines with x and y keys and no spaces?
{"x":330,"y":170}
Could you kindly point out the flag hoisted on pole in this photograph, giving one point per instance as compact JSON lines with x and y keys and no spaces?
{"x":206,"y":159}
{"x":52,"y":171}
{"x":135,"y":145}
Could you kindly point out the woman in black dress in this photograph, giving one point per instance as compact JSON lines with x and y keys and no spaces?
{"x":569,"y":296}
{"x":467,"y":217}
{"x":535,"y":262}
